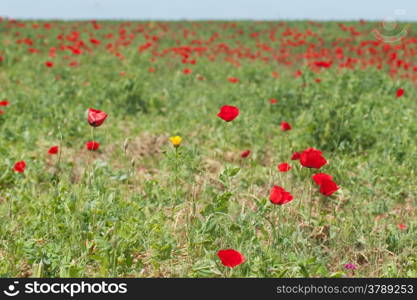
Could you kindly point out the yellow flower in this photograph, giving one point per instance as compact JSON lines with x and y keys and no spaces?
{"x":176,"y":140}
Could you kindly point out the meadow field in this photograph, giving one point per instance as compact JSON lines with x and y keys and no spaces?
{"x":209,"y":137}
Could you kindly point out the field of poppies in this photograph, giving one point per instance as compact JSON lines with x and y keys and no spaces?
{"x":207,"y":149}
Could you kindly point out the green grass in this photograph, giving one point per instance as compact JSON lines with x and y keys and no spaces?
{"x":125,"y":212}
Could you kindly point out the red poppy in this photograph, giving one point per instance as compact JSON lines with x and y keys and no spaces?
{"x":400,"y":92}
{"x":319,"y":177}
{"x":20,"y":166}
{"x":4,"y":103}
{"x":53,"y":150}
{"x":187,"y":71}
{"x":323,"y":64}
{"x":1,"y":112}
{"x":285,"y":126}
{"x":402,"y":226}
{"x":328,"y":187}
{"x":284,"y":167}
{"x":95,"y":41}
{"x":49,"y":64}
{"x":92,"y":145}
{"x":245,"y":154}
{"x":233,"y":79}
{"x":96,"y":117}
{"x":312,"y":158}
{"x":228,"y":113}
{"x":295,"y":156}
{"x":231,"y":258}
{"x":279,"y":195}
{"x":273,"y":101}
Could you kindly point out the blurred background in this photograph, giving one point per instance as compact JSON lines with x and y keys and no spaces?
{"x":399,"y":10}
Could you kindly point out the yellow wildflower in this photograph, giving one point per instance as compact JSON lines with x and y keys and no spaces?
{"x":176,"y":140}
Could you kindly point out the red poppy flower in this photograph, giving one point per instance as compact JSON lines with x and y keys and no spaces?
{"x":312,"y":158}
{"x":92,"y":145}
{"x":228,"y":113}
{"x":285,"y":126}
{"x":231,"y":258}
{"x":328,"y":187}
{"x":20,"y":166}
{"x":49,"y":64}
{"x":402,"y":226}
{"x":323,"y":64}
{"x":400,"y":92}
{"x":1,"y":112}
{"x":284,"y":167}
{"x":279,"y":196}
{"x":273,"y":101}
{"x":319,"y":177}
{"x":187,"y":71}
{"x":4,"y":103}
{"x":53,"y":150}
{"x":95,"y":41}
{"x":245,"y":154}
{"x":233,"y":79}
{"x":295,"y":156}
{"x":96,"y":117}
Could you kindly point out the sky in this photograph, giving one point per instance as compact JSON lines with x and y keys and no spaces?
{"x":398,"y":10}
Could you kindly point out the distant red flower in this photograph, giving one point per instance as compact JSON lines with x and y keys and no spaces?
{"x":20,"y":166}
{"x":92,"y":145}
{"x":1,"y":112}
{"x":187,"y":71}
{"x":319,"y":177}
{"x":318,"y":80}
{"x":95,"y":41}
{"x":49,"y":64}
{"x":275,"y":74}
{"x":231,"y":258}
{"x":328,"y":187}
{"x":53,"y":150}
{"x":151,"y":70}
{"x":4,"y":103}
{"x":273,"y":101}
{"x":295,"y":156}
{"x":312,"y":158}
{"x":400,"y":93}
{"x":284,"y":167}
{"x":279,"y":196}
{"x":245,"y":154}
{"x":402,"y":226}
{"x":323,"y":64}
{"x":285,"y":126}
{"x":96,"y":117}
{"x":233,"y":79}
{"x":228,"y":113}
